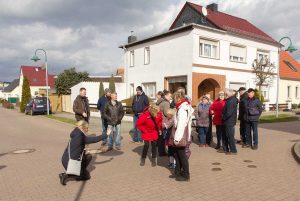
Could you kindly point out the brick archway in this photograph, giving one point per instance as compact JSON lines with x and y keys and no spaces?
{"x":204,"y":84}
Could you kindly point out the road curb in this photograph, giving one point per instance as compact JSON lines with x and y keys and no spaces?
{"x":296,"y":151}
{"x":71,"y":125}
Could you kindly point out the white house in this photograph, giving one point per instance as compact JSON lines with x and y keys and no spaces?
{"x":203,"y":53}
{"x":289,"y":84}
{"x":12,"y":90}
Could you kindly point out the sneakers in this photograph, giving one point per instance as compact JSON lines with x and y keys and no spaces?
{"x":143,"y":160}
{"x":62,"y":178}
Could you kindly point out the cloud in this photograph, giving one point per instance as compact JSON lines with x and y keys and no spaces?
{"x":86,"y":35}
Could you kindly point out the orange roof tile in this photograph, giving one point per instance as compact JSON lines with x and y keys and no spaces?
{"x":286,"y":71}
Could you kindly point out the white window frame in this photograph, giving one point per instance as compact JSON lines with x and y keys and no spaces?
{"x":264,"y":53}
{"x":288,"y":90}
{"x":147,"y":55}
{"x":209,"y":43}
{"x":145,"y":87}
{"x":234,"y":58}
{"x":131,"y":58}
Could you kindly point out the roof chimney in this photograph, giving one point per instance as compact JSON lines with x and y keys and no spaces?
{"x":132,"y":38}
{"x":213,"y":7}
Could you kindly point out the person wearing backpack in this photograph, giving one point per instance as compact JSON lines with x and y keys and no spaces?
{"x":253,"y":110}
{"x":150,"y":124}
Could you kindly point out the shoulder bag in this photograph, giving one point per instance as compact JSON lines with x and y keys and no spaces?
{"x":74,"y":166}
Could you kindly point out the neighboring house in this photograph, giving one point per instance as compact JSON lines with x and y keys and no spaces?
{"x":2,"y":87}
{"x":202,"y":54}
{"x":92,"y":89}
{"x":37,"y":80}
{"x":289,"y":85}
{"x":12,"y":90}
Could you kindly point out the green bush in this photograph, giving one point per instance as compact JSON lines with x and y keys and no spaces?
{"x":294,"y":106}
{"x":26,"y":94}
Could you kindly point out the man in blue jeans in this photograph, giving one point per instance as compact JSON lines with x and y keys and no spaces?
{"x":253,"y":110}
{"x":139,"y":102}
{"x":103,"y":100}
{"x":113,"y":114}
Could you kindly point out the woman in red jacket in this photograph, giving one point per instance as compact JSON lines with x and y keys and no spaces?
{"x":216,"y":110}
{"x":150,"y":124}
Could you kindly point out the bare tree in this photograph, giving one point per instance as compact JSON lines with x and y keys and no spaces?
{"x":264,"y":71}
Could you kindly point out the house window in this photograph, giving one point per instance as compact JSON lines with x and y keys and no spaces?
{"x":209,"y":48}
{"x":265,"y":92}
{"x":150,"y":89}
{"x":289,"y":91}
{"x":297,"y":92}
{"x":236,"y":85}
{"x":290,"y":65}
{"x":131,"y":89}
{"x":147,"y":55}
{"x":238,"y":53}
{"x":132,"y":58}
{"x":263,"y":54}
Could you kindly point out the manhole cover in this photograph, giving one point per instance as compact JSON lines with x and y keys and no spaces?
{"x":23,"y":151}
{"x":216,"y":163}
{"x":248,"y":161}
{"x":216,"y":169}
{"x":252,"y":166}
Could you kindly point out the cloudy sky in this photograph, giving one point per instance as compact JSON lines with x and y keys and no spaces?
{"x":86,"y":34}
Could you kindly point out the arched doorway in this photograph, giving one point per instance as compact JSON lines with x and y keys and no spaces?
{"x":208,"y":87}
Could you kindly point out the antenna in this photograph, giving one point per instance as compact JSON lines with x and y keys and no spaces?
{"x":204,"y":11}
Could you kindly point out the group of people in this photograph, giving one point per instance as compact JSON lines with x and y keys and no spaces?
{"x":223,"y":114}
{"x":166,"y":126}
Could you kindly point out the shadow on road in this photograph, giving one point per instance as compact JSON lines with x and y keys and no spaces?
{"x":2,"y":166}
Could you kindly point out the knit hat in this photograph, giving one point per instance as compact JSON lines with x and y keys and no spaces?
{"x":107,"y":90}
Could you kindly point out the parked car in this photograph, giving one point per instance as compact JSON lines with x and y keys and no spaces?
{"x":38,"y":105}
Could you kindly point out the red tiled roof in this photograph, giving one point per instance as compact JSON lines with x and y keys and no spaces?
{"x":231,"y":24}
{"x":37,"y":76}
{"x":285,"y":70}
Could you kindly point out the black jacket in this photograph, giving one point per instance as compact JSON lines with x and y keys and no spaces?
{"x":253,"y":104}
{"x":229,"y":114}
{"x":101,"y":103}
{"x":81,"y":105}
{"x":78,"y":142}
{"x":113,"y":114}
{"x":139,"y":103}
{"x":242,"y":102}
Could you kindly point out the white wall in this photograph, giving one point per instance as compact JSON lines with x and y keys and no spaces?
{"x":15,"y":93}
{"x":92,"y":91}
{"x":283,"y":94}
{"x":169,"y":56}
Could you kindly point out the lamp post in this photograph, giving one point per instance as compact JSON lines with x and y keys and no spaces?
{"x":36,"y":58}
{"x":290,"y":49}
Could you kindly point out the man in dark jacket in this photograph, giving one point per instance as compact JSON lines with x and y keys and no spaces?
{"x":100,"y":106}
{"x":243,"y":98}
{"x":140,"y":101}
{"x":229,"y":118}
{"x":113,"y":114}
{"x":81,"y":106}
{"x":253,"y":110}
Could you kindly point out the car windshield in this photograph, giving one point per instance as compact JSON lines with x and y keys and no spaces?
{"x":40,"y":101}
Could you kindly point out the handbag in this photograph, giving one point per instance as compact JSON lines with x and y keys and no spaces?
{"x":74,"y":166}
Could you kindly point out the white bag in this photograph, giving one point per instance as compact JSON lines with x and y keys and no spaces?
{"x":74,"y":166}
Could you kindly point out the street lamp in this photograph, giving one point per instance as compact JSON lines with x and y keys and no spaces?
{"x":290,"y":49}
{"x":36,"y":58}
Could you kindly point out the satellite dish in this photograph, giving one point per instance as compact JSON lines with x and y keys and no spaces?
{"x":204,"y":11}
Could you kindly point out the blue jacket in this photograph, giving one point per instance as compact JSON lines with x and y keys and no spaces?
{"x":139,"y":103}
{"x":229,"y":115}
{"x":101,"y":103}
{"x":253,"y":109}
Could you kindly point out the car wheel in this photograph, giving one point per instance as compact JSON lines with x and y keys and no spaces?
{"x":31,"y":112}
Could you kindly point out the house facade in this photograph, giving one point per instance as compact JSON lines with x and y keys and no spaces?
{"x":204,"y":54}
{"x":289,"y":84}
{"x":37,"y":80}
{"x":12,"y":90}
